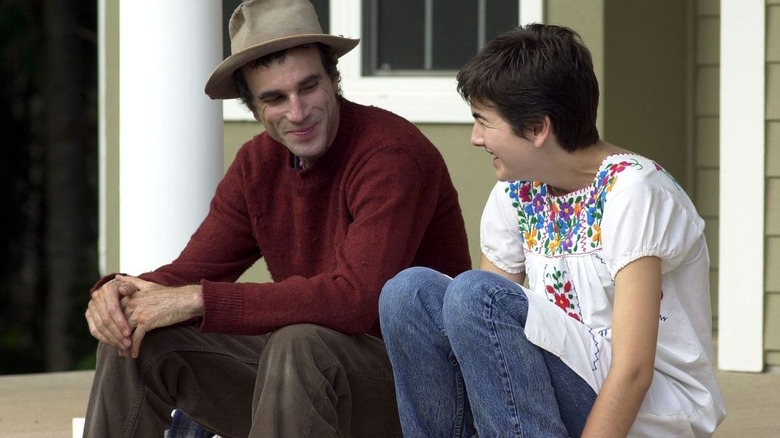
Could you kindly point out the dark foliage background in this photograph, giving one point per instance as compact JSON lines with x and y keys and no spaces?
{"x":48,"y":183}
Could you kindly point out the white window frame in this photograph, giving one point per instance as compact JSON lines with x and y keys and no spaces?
{"x":420,"y":99}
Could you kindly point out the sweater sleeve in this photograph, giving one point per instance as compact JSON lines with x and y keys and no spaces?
{"x":391,"y":198}
{"x":223,"y":246}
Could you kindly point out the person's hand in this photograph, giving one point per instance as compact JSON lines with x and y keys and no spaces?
{"x":106,"y":317}
{"x":148,"y":306}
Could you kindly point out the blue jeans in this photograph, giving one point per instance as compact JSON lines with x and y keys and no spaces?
{"x":463,"y":365}
{"x":183,"y":426}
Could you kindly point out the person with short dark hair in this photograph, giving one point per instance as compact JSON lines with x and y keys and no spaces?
{"x":337,"y":198}
{"x":612,"y":335}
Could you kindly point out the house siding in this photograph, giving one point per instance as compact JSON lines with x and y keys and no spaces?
{"x":772,"y":268}
{"x":705,"y":127}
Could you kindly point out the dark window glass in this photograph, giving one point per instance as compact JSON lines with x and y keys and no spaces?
{"x":429,"y":37}
{"x":501,"y":16}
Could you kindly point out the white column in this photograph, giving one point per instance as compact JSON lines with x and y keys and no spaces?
{"x":170,"y":132}
{"x":742,"y":176}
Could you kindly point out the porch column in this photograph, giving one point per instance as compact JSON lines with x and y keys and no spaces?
{"x":170,"y":132}
{"x":742,"y":185}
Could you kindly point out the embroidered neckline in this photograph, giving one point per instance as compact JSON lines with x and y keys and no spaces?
{"x":556,"y":225}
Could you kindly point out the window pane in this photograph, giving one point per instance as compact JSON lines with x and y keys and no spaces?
{"x":454,"y":33}
{"x":429,"y":37}
{"x":393,"y":34}
{"x":501,"y":16}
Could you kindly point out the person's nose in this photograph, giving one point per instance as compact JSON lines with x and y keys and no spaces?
{"x":476,"y":136}
{"x":297,"y":110}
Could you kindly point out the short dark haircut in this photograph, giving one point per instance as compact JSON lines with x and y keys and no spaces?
{"x":329,"y":62}
{"x":536,"y":71}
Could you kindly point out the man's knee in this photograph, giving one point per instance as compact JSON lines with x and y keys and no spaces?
{"x":300,"y":345}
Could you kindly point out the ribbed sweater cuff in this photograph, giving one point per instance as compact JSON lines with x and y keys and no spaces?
{"x":223,"y":306}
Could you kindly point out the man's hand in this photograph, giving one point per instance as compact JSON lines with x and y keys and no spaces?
{"x":106,"y":318}
{"x":148,"y":306}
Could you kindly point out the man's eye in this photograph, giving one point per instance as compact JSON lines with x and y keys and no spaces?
{"x":271,"y":100}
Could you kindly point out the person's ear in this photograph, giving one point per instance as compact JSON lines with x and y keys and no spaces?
{"x":256,"y":114}
{"x":542,"y":131}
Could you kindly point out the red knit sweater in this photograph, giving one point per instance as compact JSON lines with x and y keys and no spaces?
{"x":378,"y":201}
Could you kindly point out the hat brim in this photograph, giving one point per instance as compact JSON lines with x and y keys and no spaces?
{"x":221,"y":84}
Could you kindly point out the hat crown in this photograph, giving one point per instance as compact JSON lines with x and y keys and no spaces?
{"x":260,"y":21}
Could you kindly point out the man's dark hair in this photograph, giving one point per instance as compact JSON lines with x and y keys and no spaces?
{"x":536,"y":71}
{"x":329,"y":62}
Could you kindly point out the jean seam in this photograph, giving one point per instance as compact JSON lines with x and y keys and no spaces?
{"x":460,"y":388}
{"x":501,"y":358}
{"x":132,"y":419}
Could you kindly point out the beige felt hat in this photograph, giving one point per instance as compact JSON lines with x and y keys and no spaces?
{"x":260,"y":27}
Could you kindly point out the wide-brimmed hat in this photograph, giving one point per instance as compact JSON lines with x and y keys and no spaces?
{"x":260,"y":27}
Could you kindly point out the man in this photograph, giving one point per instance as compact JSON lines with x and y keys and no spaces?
{"x":337,"y":198}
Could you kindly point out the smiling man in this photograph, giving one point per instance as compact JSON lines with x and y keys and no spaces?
{"x":337,"y":198}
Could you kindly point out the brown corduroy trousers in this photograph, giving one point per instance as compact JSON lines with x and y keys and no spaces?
{"x":298,"y":381}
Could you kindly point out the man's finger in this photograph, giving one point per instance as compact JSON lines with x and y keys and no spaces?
{"x":122,"y":349}
{"x":112,"y":315}
{"x":138,"y":336}
{"x":136,"y":282}
{"x":108,"y":317}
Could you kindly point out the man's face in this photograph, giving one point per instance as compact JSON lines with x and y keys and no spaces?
{"x":296,"y":101}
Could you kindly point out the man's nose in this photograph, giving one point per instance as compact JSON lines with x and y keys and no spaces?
{"x":297,"y":110}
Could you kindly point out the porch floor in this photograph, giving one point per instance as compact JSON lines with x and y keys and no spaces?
{"x":44,"y":405}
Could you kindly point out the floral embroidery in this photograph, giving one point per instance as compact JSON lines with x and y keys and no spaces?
{"x":560,"y":291}
{"x":557,"y":225}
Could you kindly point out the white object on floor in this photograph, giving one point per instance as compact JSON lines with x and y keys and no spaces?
{"x":78,"y":427}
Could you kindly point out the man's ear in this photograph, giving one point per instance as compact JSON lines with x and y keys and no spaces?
{"x":255,"y":114}
{"x":542,"y":131}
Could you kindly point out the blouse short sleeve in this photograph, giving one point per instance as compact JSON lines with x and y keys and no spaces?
{"x":648,"y":214}
{"x":500,"y":239}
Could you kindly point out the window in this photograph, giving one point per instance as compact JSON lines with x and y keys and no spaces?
{"x":429,"y":37}
{"x":410,"y":50}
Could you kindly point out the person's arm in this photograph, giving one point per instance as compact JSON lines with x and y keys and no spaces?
{"x":499,"y":236}
{"x":634,"y":337}
{"x":106,"y":314}
{"x":223,"y":247}
{"x":148,"y":306}
{"x":391,"y":196}
{"x":487,"y":265}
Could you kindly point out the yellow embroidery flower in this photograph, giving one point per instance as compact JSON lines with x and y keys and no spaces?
{"x":596,"y":233}
{"x":612,"y":182}
{"x":530,"y":238}
{"x":555,"y":243}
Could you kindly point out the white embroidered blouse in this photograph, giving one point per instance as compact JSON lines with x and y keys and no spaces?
{"x":572,"y":246}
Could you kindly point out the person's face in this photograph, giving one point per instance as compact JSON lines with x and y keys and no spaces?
{"x":296,"y":101}
{"x":512,"y":155}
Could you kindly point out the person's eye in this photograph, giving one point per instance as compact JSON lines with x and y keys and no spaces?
{"x":271,"y":100}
